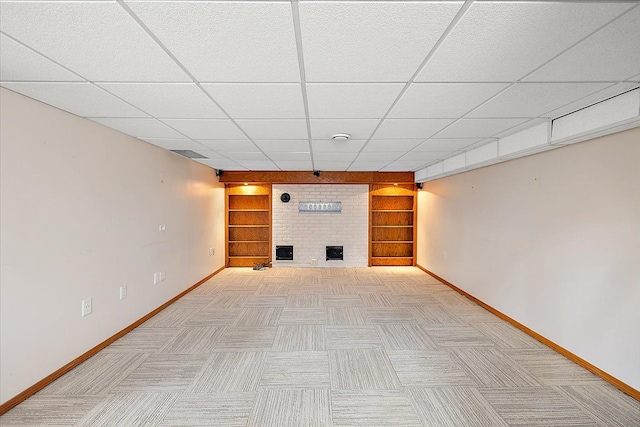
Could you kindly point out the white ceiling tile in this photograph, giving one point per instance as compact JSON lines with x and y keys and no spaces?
{"x":256,"y":165}
{"x":227,"y":42}
{"x":540,"y":98}
{"x":370,"y":41}
{"x":97,"y":40}
{"x":392,"y":144}
{"x":446,"y":144}
{"x":140,"y":128}
{"x":593,"y":59}
{"x":518,"y":128}
{"x":601,"y":95}
{"x":223,"y":146}
{"x":478,"y":128}
{"x":410,"y":128}
{"x":321,"y":156}
{"x":206,"y":128}
{"x":259,"y":101}
{"x":350,"y":146}
{"x":488,"y":140}
{"x":445,"y":100}
{"x":175,"y":144}
{"x":82,"y":99}
{"x":298,"y":165}
{"x":278,"y":156}
{"x":424,"y":156}
{"x":404,"y":166}
{"x":503,"y":41}
{"x":223,"y":164}
{"x":245,"y":155}
{"x":357,"y":128}
{"x":387,"y":156}
{"x":167,"y":100}
{"x":324,"y":165}
{"x":275,"y":128}
{"x":20,"y":63}
{"x":355,"y":101}
{"x":295,"y":145}
{"x":367,"y":166}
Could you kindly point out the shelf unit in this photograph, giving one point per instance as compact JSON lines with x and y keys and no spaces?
{"x":392,"y":217}
{"x":248,"y":223}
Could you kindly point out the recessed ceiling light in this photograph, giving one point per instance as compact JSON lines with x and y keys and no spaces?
{"x":340,"y":136}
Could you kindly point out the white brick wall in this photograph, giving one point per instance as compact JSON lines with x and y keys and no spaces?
{"x":309,"y":233}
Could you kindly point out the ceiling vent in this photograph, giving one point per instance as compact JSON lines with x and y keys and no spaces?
{"x":340,"y":137}
{"x":190,"y":154}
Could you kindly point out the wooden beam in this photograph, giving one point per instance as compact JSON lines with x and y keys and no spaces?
{"x":325,"y":177}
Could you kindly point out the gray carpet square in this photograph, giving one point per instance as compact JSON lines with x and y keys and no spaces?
{"x":299,"y":338}
{"x":373,"y":408}
{"x":230,"y":372}
{"x":210,"y":410}
{"x":455,"y":406}
{"x":428,"y":369}
{"x":351,"y":337}
{"x":540,"y":406}
{"x":362,"y":369}
{"x":163,"y":373}
{"x":291,"y":408}
{"x":303,"y":369}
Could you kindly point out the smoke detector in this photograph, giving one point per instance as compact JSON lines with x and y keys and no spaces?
{"x":340,"y":136}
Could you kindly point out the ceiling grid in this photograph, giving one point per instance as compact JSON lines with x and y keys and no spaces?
{"x":262,"y":85}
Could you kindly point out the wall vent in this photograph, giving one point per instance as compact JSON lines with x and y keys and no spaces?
{"x":334,"y":253}
{"x":284,"y":253}
{"x":190,"y":154}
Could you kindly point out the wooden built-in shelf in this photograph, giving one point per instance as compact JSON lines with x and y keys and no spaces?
{"x":248,"y":221}
{"x":392,"y":226}
{"x":392,"y":231}
{"x":392,"y":210}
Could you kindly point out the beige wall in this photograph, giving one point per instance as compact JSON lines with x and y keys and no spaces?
{"x":80,"y":210}
{"x":551,"y":240}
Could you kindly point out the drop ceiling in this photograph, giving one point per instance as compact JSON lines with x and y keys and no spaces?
{"x":262,"y":85}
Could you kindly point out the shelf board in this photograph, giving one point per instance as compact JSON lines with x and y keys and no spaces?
{"x":249,"y":226}
{"x":392,"y":210}
{"x":392,"y":241}
{"x":248,"y":256}
{"x":392,"y":226}
{"x":391,"y":256}
{"x":248,"y":241}
{"x":248,"y":210}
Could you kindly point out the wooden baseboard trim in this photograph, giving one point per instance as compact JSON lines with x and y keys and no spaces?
{"x":78,"y":360}
{"x":625,"y":388}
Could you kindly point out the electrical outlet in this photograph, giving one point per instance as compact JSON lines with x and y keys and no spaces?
{"x":211,"y":251}
{"x":314,"y":261}
{"x":123,"y":292}
{"x":156,"y":278}
{"x":162,"y":227}
{"x":87,"y":306}
{"x":163,"y":276}
{"x":444,"y":253}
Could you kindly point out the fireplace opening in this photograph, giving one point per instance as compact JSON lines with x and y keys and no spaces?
{"x":284,"y":253}
{"x":334,"y":253}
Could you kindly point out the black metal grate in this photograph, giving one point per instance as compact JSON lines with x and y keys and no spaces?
{"x":284,"y":253}
{"x":334,"y":253}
